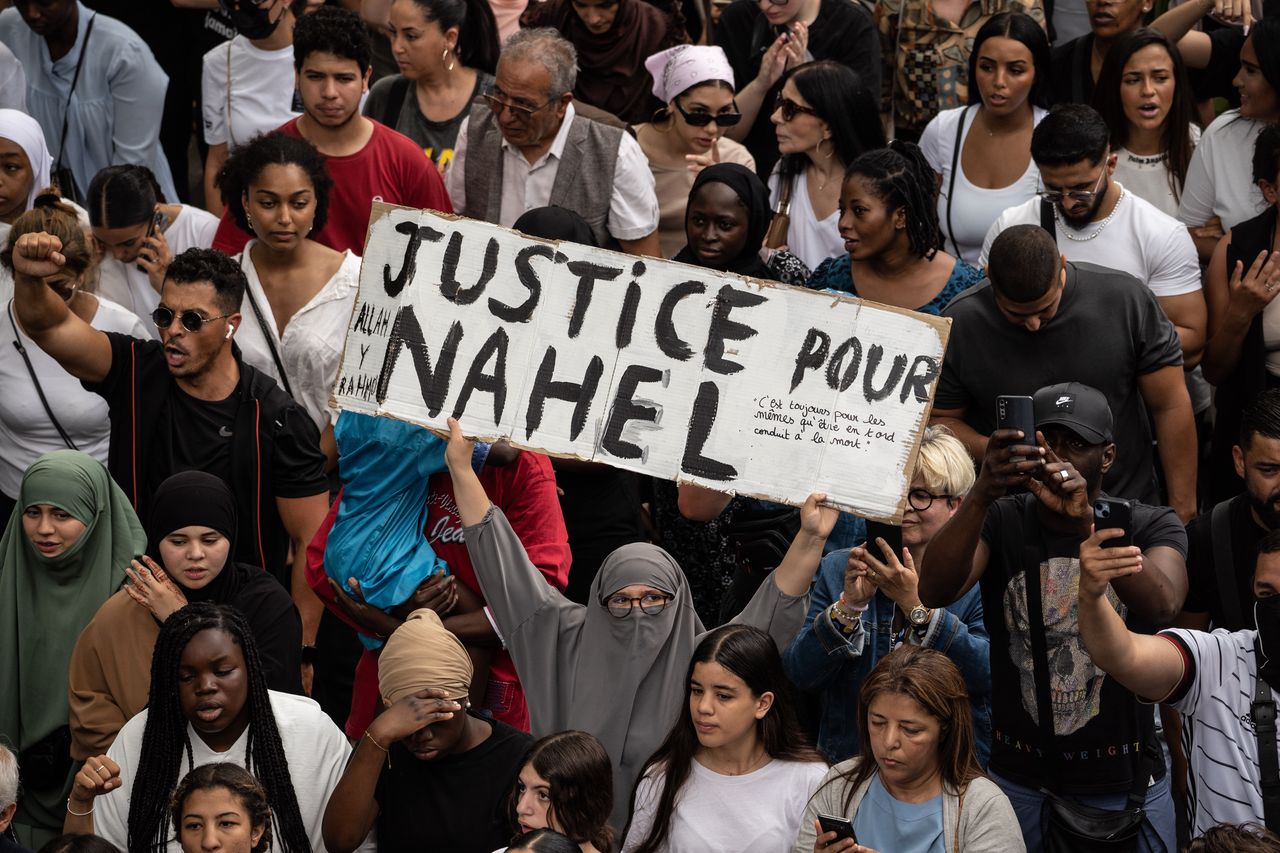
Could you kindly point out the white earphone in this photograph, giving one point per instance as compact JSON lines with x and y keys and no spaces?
{"x":231,"y":330}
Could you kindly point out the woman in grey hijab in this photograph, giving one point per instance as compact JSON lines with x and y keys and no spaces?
{"x":615,"y":667}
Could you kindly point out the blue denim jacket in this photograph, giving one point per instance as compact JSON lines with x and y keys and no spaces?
{"x":821,"y":657}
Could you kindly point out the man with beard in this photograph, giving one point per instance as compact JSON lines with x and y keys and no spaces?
{"x":367,"y":161}
{"x":1073,"y":731}
{"x":1098,"y":221}
{"x":1040,"y":319}
{"x":1223,"y":683}
{"x":1222,"y":542}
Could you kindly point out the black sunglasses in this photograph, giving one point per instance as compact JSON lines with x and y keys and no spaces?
{"x":702,"y":118}
{"x":192,"y":320}
{"x":790,"y":109}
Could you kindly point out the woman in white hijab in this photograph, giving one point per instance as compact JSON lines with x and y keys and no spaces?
{"x":24,"y":171}
{"x":616,"y":667}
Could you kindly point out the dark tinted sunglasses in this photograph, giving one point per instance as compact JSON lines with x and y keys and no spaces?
{"x":790,"y":109}
{"x":191,"y":320}
{"x":702,"y":118}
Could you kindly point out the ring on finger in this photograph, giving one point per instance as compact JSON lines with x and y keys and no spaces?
{"x":1064,"y":475}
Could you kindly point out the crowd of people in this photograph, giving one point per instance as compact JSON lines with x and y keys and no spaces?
{"x":234,"y":617}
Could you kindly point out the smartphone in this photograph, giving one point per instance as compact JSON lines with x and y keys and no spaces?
{"x":782,"y":30}
{"x":889,"y":533}
{"x":1114,"y":513}
{"x":158,"y":221}
{"x":841,"y":826}
{"x":1013,"y":412}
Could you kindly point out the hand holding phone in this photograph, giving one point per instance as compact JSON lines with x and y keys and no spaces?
{"x":841,"y":826}
{"x":1017,"y":412}
{"x":1112,"y":514}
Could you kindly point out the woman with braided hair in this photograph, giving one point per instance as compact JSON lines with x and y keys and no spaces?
{"x":210,"y":703}
{"x":889,"y":223}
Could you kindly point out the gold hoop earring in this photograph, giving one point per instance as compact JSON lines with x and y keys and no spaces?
{"x":829,"y":154}
{"x":662,"y":120}
{"x":249,"y":219}
{"x":445,"y":60}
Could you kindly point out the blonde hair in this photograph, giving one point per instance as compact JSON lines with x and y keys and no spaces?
{"x":943,"y":464}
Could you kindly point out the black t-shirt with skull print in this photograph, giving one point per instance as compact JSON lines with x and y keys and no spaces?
{"x":1095,"y":719}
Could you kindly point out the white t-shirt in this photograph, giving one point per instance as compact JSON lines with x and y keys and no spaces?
{"x":1220,"y":178}
{"x":1148,"y":176}
{"x":129,"y":286}
{"x":1151,"y":246}
{"x":314,"y":747}
{"x":26,"y":433}
{"x":808,"y":238}
{"x":261,"y":91}
{"x":633,"y":204}
{"x":974,"y":208}
{"x":312,"y":345}
{"x":760,"y":811}
{"x":1217,"y":732}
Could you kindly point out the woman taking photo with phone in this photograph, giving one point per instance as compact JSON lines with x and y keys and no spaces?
{"x":695,"y":85}
{"x":822,"y":123}
{"x":138,"y":234}
{"x":736,"y":769}
{"x":916,"y":783}
{"x":981,"y":153}
{"x":447,"y":51}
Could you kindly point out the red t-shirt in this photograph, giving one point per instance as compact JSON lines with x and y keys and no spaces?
{"x":525,"y":491}
{"x":390,"y":168}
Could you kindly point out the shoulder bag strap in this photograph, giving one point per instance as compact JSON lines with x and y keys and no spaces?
{"x":22,"y":351}
{"x":1224,"y":565}
{"x":1262,"y":711}
{"x":66,"y":108}
{"x":267,"y":334}
{"x":395,"y":101}
{"x":951,"y":182}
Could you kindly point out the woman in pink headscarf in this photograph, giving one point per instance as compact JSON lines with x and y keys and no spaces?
{"x":687,"y":135}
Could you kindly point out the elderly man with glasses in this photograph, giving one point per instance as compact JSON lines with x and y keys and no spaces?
{"x":527,"y":146}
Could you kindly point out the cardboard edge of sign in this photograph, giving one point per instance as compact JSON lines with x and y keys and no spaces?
{"x":942,"y":325}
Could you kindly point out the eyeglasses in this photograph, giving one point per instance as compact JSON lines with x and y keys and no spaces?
{"x":790,"y":109}
{"x":1080,"y":196}
{"x":921,"y":499}
{"x":523,"y":113}
{"x":192,"y":320}
{"x":702,"y":118}
{"x":651,"y":604}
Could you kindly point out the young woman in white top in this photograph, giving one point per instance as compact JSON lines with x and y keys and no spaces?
{"x":982,"y":152}
{"x":1219,"y":192}
{"x":687,"y":135}
{"x":824,"y":117}
{"x":42,"y":402}
{"x":1145,"y":98}
{"x":247,"y":84}
{"x":139,"y":233}
{"x":298,"y":302}
{"x":566,"y":785}
{"x":736,"y":770}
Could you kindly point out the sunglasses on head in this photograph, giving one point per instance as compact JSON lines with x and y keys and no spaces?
{"x":702,"y":118}
{"x":192,"y":320}
{"x":790,"y":109}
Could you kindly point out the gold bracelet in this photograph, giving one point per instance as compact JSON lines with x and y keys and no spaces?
{"x":79,"y":814}
{"x":373,"y":741}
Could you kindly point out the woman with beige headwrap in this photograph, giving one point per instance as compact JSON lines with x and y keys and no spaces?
{"x":426,"y":764}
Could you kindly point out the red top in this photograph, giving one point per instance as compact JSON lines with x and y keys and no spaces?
{"x":390,"y":168}
{"x":525,"y":491}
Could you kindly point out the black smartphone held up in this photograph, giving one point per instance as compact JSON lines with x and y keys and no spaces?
{"x":1013,"y":412}
{"x":1114,"y":513}
{"x":157,"y":223}
{"x":890,"y":534}
{"x":841,"y":826}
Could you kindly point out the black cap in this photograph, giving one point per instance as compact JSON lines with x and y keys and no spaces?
{"x":1081,"y":408}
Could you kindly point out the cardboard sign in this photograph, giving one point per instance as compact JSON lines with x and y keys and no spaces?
{"x":670,"y":370}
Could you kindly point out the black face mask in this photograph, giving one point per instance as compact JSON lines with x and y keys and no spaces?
{"x":249,"y":20}
{"x":1266,"y":612}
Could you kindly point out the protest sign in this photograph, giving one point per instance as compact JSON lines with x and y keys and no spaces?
{"x":675,"y":371}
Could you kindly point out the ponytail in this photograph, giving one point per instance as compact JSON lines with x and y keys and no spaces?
{"x":478,"y":46}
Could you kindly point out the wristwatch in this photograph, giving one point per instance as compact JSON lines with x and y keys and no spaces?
{"x":919,"y":616}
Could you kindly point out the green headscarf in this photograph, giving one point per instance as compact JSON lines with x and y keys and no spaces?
{"x":46,"y":601}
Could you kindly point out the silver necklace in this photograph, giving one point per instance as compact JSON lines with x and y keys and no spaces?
{"x":1066,"y":231}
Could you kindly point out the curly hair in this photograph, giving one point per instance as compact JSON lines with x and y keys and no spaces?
{"x":165,"y":741}
{"x":240,"y":783}
{"x":331,"y":29}
{"x":196,"y":265}
{"x":273,"y":149}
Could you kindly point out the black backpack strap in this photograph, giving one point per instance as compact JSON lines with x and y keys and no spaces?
{"x":395,"y":100}
{"x":66,"y":108}
{"x":1262,"y":711}
{"x":1224,"y":566}
{"x":951,"y":182}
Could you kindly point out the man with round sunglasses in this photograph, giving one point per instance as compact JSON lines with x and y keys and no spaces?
{"x":528,"y":146}
{"x":188,"y":401}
